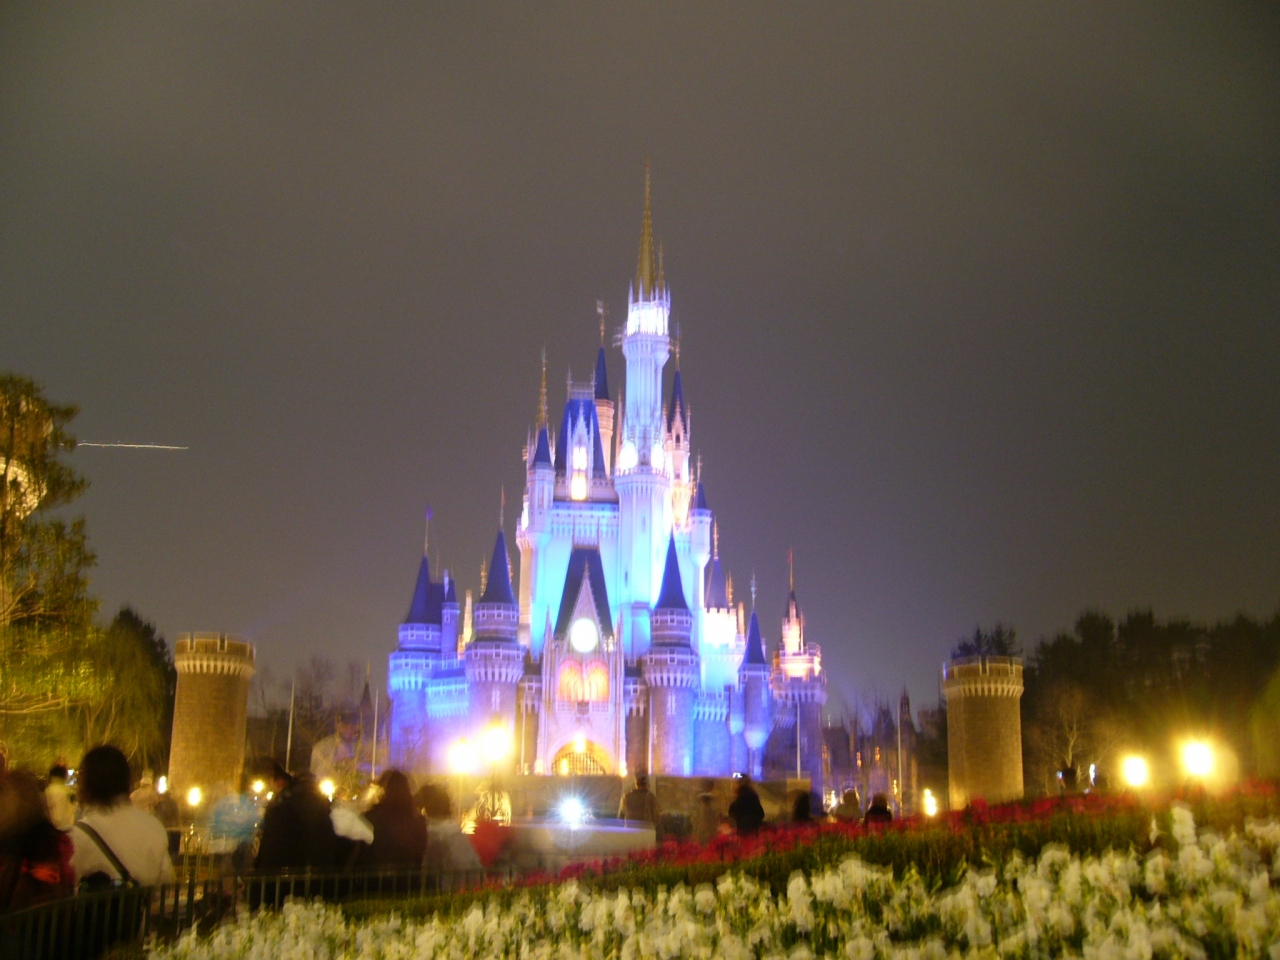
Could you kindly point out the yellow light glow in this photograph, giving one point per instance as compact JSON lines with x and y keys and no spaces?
{"x":194,"y":796}
{"x":564,"y":767}
{"x":1197,"y":758}
{"x":328,"y":788}
{"x":258,"y":786}
{"x":580,"y":743}
{"x":580,"y":458}
{"x":622,"y":768}
{"x":930,"y":804}
{"x":1134,"y":771}
{"x":162,"y":785}
{"x":578,"y":487}
{"x":461,"y":758}
{"x":495,"y":742}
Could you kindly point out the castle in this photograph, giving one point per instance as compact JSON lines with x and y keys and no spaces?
{"x":624,"y":651}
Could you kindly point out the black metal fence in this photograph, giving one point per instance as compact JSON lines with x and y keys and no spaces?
{"x":85,"y":926}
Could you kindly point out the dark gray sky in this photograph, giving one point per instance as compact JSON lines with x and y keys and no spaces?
{"x":979,"y":301}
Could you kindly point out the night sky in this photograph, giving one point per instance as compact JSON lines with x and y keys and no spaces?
{"x":979,"y":302}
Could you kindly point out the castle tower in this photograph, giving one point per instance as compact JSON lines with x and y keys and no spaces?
{"x":641,"y":477}
{"x":670,"y":669}
{"x":494,"y":659}
{"x":604,"y":405}
{"x":984,"y":729}
{"x":209,"y":712}
{"x":411,"y":665}
{"x":753,"y":679}
{"x":800,"y":691}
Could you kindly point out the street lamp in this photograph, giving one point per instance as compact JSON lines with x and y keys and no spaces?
{"x":328,"y":788}
{"x":194,"y":796}
{"x":1197,"y":758}
{"x":1135,"y":772}
{"x":930,"y":803}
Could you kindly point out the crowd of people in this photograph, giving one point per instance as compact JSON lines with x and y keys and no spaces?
{"x":56,"y":839}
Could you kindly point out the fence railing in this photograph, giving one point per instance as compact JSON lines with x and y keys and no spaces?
{"x":84,"y":926}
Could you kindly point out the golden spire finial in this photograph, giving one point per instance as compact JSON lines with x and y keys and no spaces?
{"x":601,"y":312}
{"x":484,"y":575}
{"x":426,"y":533}
{"x":791,"y":568}
{"x":698,"y":478}
{"x":645,"y":268}
{"x":502,"y":508}
{"x":753,"y":590}
{"x":677,"y":343}
{"x":542,"y":392}
{"x":662,"y":283}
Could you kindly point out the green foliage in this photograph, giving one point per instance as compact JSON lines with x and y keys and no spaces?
{"x":1000,"y":641}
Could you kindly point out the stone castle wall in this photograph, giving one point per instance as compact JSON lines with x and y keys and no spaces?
{"x":984,"y":729}
{"x":209,"y":713}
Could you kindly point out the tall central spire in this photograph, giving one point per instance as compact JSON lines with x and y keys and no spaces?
{"x":647,"y":268}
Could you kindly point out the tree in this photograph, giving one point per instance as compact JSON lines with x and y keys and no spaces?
{"x":1000,"y":641}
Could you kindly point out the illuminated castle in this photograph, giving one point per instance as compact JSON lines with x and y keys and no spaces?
{"x":623,"y":651}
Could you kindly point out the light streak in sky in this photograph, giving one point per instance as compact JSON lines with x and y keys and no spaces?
{"x":135,"y":446}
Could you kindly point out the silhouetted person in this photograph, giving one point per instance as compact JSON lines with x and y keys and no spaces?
{"x":113,"y":837}
{"x":746,"y":811}
{"x":878,"y":814}
{"x":399,"y":830}
{"x":848,"y":809}
{"x":638,"y":803}
{"x":297,"y":831}
{"x":35,"y":856}
{"x":801,"y":808}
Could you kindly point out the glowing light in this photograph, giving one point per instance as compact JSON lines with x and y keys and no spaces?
{"x":162,"y":785}
{"x":578,"y":487}
{"x":583,"y":635}
{"x":622,"y":768}
{"x":580,"y":743}
{"x":580,"y":458}
{"x":1197,"y":758}
{"x":627,"y":456}
{"x":930,"y":803}
{"x":461,"y":758}
{"x":257,"y":787}
{"x":194,"y":796}
{"x":657,"y":456}
{"x":573,"y":812}
{"x":495,"y":742}
{"x":1134,"y":771}
{"x":328,"y":788}
{"x":564,"y":767}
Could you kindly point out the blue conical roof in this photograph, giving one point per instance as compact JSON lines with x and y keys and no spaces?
{"x":425,"y":605}
{"x":717,"y":591}
{"x":700,"y":498}
{"x":498,"y":589}
{"x":755,"y":643}
{"x":602,"y":376}
{"x":678,"y":404}
{"x":542,"y":452}
{"x":672,"y":595}
{"x":450,"y":590}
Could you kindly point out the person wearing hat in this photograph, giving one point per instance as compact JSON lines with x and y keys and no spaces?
{"x":334,"y":757}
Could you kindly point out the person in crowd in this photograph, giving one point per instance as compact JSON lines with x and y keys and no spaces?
{"x":433,"y":800}
{"x":35,"y":856}
{"x":297,"y":831}
{"x":706,"y":818}
{"x":848,"y":809}
{"x":639,"y":803}
{"x":146,"y":797}
{"x":878,"y":814}
{"x":447,"y":846}
{"x":233,"y":823}
{"x":746,"y":811}
{"x":493,"y":803}
{"x":802,"y":808}
{"x":334,"y":757}
{"x":59,"y":799}
{"x":399,"y":830}
{"x":114,"y":840}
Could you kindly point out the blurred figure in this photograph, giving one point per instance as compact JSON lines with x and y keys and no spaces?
{"x":746,"y":811}
{"x":146,"y":797}
{"x":493,"y":805}
{"x":35,"y":856}
{"x":878,"y":813}
{"x":233,"y":823}
{"x":706,"y":818}
{"x":638,"y":803}
{"x":802,"y":808}
{"x":297,"y":831}
{"x":448,"y":848}
{"x":847,"y":809}
{"x":433,"y":800}
{"x":334,"y":757}
{"x":58,"y":798}
{"x":114,"y":840}
{"x":399,"y":830}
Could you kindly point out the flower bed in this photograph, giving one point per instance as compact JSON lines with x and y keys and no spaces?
{"x":1162,"y":892}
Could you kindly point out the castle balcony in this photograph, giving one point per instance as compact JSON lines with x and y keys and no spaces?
{"x":220,"y":653}
{"x":983,"y":676}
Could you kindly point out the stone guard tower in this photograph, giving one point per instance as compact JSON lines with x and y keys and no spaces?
{"x":984,"y":729}
{"x":209,"y":712}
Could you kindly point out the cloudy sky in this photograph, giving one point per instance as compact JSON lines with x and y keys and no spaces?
{"x":979,"y":301}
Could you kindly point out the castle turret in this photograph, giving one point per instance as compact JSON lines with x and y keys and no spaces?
{"x":800,"y":691}
{"x":450,"y":619}
{"x":411,"y":665}
{"x":209,"y":712}
{"x":494,"y":659}
{"x":984,"y":729}
{"x":670,"y":669}
{"x":753,"y":680}
{"x":604,"y":405}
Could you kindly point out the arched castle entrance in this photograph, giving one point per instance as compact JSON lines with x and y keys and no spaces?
{"x":581,"y":758}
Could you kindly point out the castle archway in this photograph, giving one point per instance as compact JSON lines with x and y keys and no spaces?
{"x":581,"y":758}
